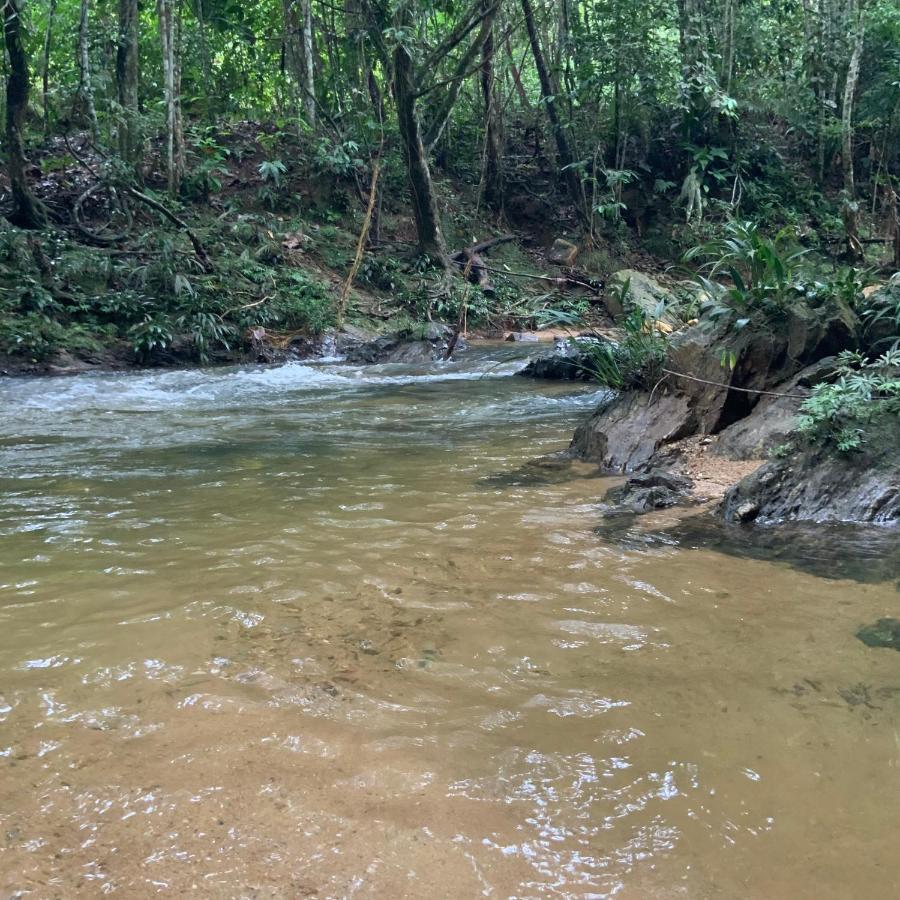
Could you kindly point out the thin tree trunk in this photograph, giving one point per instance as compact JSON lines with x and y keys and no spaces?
{"x":421,"y":188}
{"x":516,"y":75}
{"x":169,"y":34}
{"x":28,"y":211}
{"x":45,"y":66}
{"x":127,"y":80}
{"x":309,"y":64}
{"x":548,"y":98}
{"x":728,"y":46}
{"x":847,"y":110}
{"x":85,"y":88}
{"x":493,"y":172}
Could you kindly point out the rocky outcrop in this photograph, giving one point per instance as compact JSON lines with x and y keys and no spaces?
{"x":404,"y":347}
{"x":625,"y":434}
{"x":705,"y":397}
{"x":772,"y":420}
{"x":817,"y":484}
{"x":764,"y":359}
{"x":655,"y":489}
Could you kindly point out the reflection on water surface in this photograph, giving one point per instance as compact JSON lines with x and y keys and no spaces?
{"x":315,"y":631}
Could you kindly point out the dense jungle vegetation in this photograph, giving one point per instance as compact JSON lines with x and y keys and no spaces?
{"x":192,"y":176}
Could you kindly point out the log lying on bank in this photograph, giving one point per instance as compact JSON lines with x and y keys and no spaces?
{"x":470,"y":261}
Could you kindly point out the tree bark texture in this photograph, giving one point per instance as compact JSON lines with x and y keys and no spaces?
{"x":28,"y":211}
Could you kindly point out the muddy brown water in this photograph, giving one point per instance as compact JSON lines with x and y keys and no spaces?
{"x":286,"y":633}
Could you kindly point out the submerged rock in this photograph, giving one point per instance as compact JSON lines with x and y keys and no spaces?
{"x":655,"y":489}
{"x":883,"y":633}
{"x":817,"y":484}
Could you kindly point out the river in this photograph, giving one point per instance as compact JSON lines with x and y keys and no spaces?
{"x":303,"y":632}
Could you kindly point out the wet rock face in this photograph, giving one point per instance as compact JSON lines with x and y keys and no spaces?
{"x":708,"y":398}
{"x":883,"y":633}
{"x":403,"y":347}
{"x":655,"y":489}
{"x":626,"y":433}
{"x":819,"y":485}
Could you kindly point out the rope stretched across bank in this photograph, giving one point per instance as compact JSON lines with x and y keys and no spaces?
{"x":733,"y":388}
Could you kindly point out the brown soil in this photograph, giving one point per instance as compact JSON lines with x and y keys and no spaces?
{"x":712,"y":475}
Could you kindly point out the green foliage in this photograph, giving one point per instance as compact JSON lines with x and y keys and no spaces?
{"x":865,"y":392}
{"x":634,"y":361}
{"x":762,"y":271}
{"x":153,"y":333}
{"x":881,"y":316}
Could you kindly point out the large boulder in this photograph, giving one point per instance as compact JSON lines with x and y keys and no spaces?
{"x":764,"y":357}
{"x":624,"y":434}
{"x":818,"y":484}
{"x":717,"y":376}
{"x":645,"y":293}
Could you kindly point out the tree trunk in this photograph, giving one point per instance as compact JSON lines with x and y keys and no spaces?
{"x":516,"y":76}
{"x":548,"y":98}
{"x":421,"y":188}
{"x":45,"y":66}
{"x":493,"y":172}
{"x":847,"y":110}
{"x":168,"y":34}
{"x":309,"y":68}
{"x":28,"y":211}
{"x":127,"y":80}
{"x":85,"y":88}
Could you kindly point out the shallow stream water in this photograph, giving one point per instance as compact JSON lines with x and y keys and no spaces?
{"x":302,"y":632}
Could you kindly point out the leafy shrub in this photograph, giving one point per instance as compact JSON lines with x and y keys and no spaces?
{"x":153,"y":333}
{"x":33,"y":335}
{"x":636,"y":360}
{"x":882,"y":315}
{"x":865,"y":392}
{"x":762,"y":271}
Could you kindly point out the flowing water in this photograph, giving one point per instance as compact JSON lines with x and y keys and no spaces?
{"x":296,"y":632}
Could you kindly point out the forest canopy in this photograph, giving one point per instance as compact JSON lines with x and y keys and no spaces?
{"x":653,"y":123}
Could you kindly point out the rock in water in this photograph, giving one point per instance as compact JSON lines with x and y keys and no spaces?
{"x":568,"y":361}
{"x":655,"y":489}
{"x":625,"y":433}
{"x":403,"y":347}
{"x":883,"y":633}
